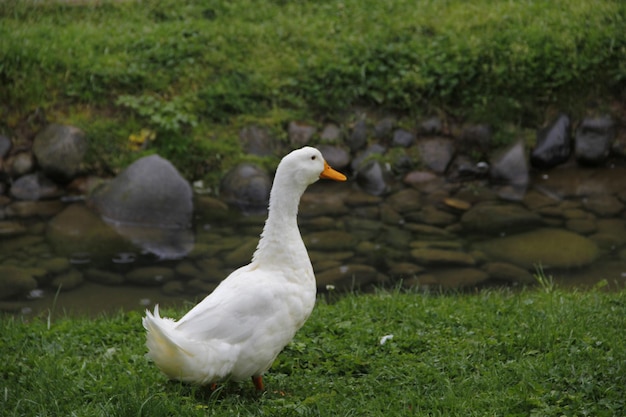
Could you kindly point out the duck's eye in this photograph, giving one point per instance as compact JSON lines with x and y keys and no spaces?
{"x":313,"y":158}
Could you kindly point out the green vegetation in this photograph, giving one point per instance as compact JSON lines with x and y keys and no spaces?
{"x":193,"y":71}
{"x":532,"y":353}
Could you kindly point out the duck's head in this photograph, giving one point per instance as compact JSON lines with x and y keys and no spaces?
{"x":307,"y":165}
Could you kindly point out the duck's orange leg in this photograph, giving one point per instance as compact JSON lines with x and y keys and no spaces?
{"x":258,"y":382}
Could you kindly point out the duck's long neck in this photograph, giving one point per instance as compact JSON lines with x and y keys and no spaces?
{"x":281,"y":236}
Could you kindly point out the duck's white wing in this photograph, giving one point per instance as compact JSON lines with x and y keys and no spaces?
{"x":239,"y":307}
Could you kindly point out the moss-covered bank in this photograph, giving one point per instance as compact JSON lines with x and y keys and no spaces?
{"x":184,"y":76}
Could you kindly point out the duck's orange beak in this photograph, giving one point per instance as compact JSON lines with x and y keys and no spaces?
{"x":331,"y":174}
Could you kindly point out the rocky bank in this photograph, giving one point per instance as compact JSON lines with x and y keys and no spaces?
{"x":428,"y":205}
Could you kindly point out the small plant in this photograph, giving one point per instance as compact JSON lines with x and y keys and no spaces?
{"x":170,"y":116}
{"x":546,"y":282}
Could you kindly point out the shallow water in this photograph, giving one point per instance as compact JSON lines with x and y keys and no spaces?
{"x":354,"y":242}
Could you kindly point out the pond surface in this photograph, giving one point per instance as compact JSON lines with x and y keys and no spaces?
{"x":437,"y":236}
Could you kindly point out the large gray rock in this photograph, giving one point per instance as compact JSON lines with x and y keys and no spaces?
{"x":553,"y":144}
{"x":594,"y":138}
{"x":60,"y":150}
{"x":150,"y":192}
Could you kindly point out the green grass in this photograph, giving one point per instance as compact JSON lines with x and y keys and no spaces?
{"x":533,"y":353}
{"x":196,"y":70}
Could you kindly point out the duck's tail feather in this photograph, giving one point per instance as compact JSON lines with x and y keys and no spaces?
{"x":181,"y":358}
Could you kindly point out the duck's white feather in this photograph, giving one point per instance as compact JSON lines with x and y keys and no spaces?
{"x":238,"y":330}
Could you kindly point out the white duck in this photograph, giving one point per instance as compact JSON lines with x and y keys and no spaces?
{"x":237,"y":331}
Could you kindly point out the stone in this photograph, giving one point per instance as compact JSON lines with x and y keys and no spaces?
{"x":418,"y":179}
{"x":321,"y":204}
{"x":79,"y":230}
{"x":389,"y":215}
{"x":402,"y":138}
{"x":546,"y":247}
{"x":503,"y":271}
{"x":358,"y":198}
{"x":149,"y":192}
{"x":15,"y":281}
{"x":453,"y":278}
{"x":21,"y":164}
{"x":242,"y":254}
{"x":424,"y":231}
{"x":436,"y":153}
{"x":150,"y":275}
{"x":26,"y":209}
{"x":363,"y":229}
{"x":431,"y":125}
{"x":404,"y":270}
{"x":611,"y":233}
{"x":456,"y":204}
{"x":60,"y":150}
{"x":104,"y":277}
{"x":201,"y":287}
{"x":300,"y":134}
{"x":581,"y":226}
{"x":364,"y":157}
{"x":593,"y":139}
{"x":603,"y":205}
{"x":336,"y":157}
{"x":553,"y":144}
{"x":432,"y":216}
{"x":331,"y":133}
{"x":509,"y":169}
{"x":330,"y":240}
{"x":55,"y":265}
{"x":349,"y":277}
{"x":188,"y":269}
{"x":9,"y":228}
{"x":173,"y":288}
{"x":68,"y":280}
{"x":535,"y":200}
{"x":257,"y":141}
{"x":211,"y":270}
{"x":247,"y":187}
{"x":405,"y":201}
{"x":442,"y":257}
{"x":371,"y":178}
{"x":210,"y":209}
{"x":358,"y":137}
{"x":499,"y":218}
{"x":34,"y":187}
{"x":395,"y":237}
{"x":5,"y":146}
{"x":384,"y":127}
